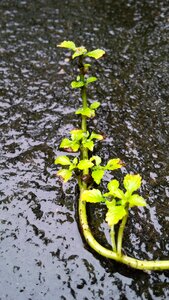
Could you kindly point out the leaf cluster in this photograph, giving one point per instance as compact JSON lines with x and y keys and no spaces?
{"x":78,"y":83}
{"x":81,"y":51}
{"x":89,"y":111}
{"x":97,"y":171}
{"x":116,"y":200}
{"x":78,"y":139}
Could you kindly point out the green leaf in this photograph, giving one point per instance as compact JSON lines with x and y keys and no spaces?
{"x":113,"y":187}
{"x":66,"y":143}
{"x":79,"y":51}
{"x":114,"y":214}
{"x":72,"y":167}
{"x":84,"y":164}
{"x":77,"y":84}
{"x":90,"y":80}
{"x":65,"y":174}
{"x":132,"y":182}
{"x":76,"y":134}
{"x":63,"y":160}
{"x":88,"y":144}
{"x":87,"y":134}
{"x":96,"y":136}
{"x":75,"y":146}
{"x":75,"y":161}
{"x":92,"y":196}
{"x":97,"y":175}
{"x":95,"y":105}
{"x":136,"y":200}
{"x":97,"y":159}
{"x":87,"y":65}
{"x":85,"y":112}
{"x":113,"y":164}
{"x":67,"y":44}
{"x":96,"y":53}
{"x":78,"y":78}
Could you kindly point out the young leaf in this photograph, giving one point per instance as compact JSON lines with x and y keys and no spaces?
{"x":62,"y":160}
{"x":72,"y":167}
{"x":84,"y":164}
{"x":86,"y":68}
{"x":97,"y":159}
{"x":96,"y":136}
{"x":114,"y":214}
{"x":113,"y":187}
{"x":88,"y":144}
{"x":95,"y":105}
{"x":87,"y":65}
{"x":67,"y":44}
{"x":77,"y":84}
{"x":75,"y":161}
{"x":92,"y":196}
{"x":75,"y":146}
{"x":90,"y":80}
{"x":136,"y":200}
{"x":79,"y":51}
{"x":113,"y":164}
{"x":87,"y":134}
{"x":76,"y":134}
{"x":65,"y":174}
{"x":97,"y":175}
{"x":96,"y":53}
{"x":85,"y":112}
{"x":132,"y":182}
{"x":68,"y":144}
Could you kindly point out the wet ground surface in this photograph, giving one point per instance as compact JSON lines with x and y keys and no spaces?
{"x":42,"y":255}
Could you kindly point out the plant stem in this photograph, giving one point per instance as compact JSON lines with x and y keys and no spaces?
{"x":120,"y":233}
{"x":84,"y":104}
{"x":112,"y":235}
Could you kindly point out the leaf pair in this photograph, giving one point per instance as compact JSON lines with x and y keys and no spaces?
{"x":63,"y":160}
{"x":98,"y":171}
{"x":89,"y":143}
{"x":79,"y":137}
{"x":117,"y":207}
{"x":66,"y":174}
{"x":79,"y":83}
{"x":73,"y":144}
{"x":131,"y":184}
{"x":78,"y":51}
{"x":88,"y":111}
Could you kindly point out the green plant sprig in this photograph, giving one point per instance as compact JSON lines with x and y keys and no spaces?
{"x":118,"y":201}
{"x":97,"y":171}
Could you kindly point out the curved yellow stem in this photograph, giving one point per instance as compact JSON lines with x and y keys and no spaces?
{"x":154,"y":265}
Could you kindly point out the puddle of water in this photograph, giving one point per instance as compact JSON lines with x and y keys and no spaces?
{"x":42,"y":255}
